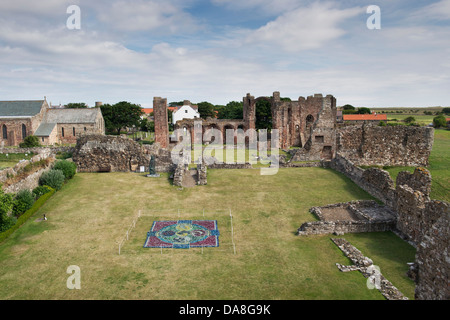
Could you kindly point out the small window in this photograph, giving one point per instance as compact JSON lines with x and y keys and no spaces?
{"x":62,"y":132}
{"x":5,"y":132}
{"x":24,"y":131}
{"x":42,"y":139}
{"x":85,"y":129}
{"x":185,"y":111}
{"x":73,"y":129}
{"x":319,"y":139}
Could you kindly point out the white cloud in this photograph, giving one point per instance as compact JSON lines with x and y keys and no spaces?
{"x":144,"y":15}
{"x":439,"y":10}
{"x":303,"y":28}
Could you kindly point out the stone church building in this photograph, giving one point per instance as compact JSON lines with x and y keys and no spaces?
{"x":19,"y":119}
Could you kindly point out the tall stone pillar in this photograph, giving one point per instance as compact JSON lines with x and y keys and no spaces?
{"x":161,"y":122}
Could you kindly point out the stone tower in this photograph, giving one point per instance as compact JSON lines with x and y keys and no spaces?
{"x":161,"y":122}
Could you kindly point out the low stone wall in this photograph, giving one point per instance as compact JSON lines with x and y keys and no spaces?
{"x":376,"y":182}
{"x":29,"y":182}
{"x":359,"y":221}
{"x":202,"y":175}
{"x":37,"y":150}
{"x":366,"y":267}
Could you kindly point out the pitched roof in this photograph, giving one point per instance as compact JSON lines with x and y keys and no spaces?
{"x":72,"y":115}
{"x":45,"y":129}
{"x":20,"y":108}
{"x":365,"y":117}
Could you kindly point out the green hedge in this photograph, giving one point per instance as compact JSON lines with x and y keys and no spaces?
{"x":28,"y":214}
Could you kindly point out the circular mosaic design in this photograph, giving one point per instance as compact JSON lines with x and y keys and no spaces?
{"x":183,"y":233}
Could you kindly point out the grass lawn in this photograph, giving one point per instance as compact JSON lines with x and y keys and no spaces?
{"x":10,"y":160}
{"x":90,"y":215}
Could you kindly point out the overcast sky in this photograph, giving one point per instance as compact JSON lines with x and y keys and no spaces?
{"x":220,"y":50}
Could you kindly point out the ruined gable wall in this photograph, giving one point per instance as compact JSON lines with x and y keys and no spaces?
{"x":370,"y":144}
{"x":98,"y":153}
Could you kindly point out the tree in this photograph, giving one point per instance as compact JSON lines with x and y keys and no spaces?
{"x":206,"y":110}
{"x":364,"y":110}
{"x":446,"y":110}
{"x":147,"y":126}
{"x":30,"y":142}
{"x":263,"y":114}
{"x":348,"y":107}
{"x":410,"y":120}
{"x":121,"y":115}
{"x":77,"y":105}
{"x":233,"y":110}
{"x":440,"y":122}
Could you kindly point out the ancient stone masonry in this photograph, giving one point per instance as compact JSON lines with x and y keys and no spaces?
{"x":369,"y":144}
{"x":98,"y":153}
{"x":433,"y":258}
{"x":366,"y":267}
{"x":350,"y":217}
{"x":376,"y":182}
{"x":307,"y":123}
{"x":423,"y":222}
{"x":161,"y":122}
{"x":28,"y":182}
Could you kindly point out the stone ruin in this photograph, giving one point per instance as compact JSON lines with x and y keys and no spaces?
{"x":408,"y":211}
{"x":310,"y":125}
{"x":99,"y":153}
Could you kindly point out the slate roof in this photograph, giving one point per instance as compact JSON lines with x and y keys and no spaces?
{"x":72,"y":115}
{"x":20,"y":108}
{"x":45,"y":129}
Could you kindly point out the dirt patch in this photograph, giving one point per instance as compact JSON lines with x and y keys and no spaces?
{"x":341,"y":214}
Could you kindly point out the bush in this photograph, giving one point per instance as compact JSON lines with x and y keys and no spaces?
{"x":439,"y":122}
{"x":23,"y":218}
{"x":30,"y":142}
{"x":63,"y":155}
{"x":410,"y":120}
{"x":6,"y":205}
{"x":40,"y":191}
{"x":24,"y":200}
{"x":68,"y":168}
{"x":382,"y":124}
{"x":53,"y":178}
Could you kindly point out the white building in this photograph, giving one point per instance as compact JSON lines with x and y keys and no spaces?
{"x":187,"y":111}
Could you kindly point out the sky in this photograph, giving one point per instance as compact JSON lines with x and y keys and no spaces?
{"x":220,"y":50}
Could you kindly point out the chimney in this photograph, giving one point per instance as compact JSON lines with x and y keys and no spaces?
{"x":98,"y":104}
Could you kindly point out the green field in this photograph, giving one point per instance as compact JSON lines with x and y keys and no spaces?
{"x":91,"y":214}
{"x":11,"y":159}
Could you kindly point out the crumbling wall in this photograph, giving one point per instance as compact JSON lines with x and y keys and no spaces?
{"x":99,"y":153}
{"x":433,"y":258}
{"x":376,"y":182}
{"x":369,"y":144}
